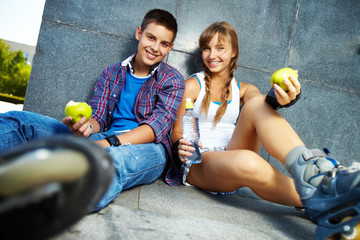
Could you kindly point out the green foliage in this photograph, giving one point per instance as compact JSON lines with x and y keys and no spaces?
{"x":11,"y":99}
{"x":14,"y":72}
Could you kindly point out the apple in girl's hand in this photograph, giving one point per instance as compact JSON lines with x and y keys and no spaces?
{"x":279,"y":75}
{"x":77,"y":110}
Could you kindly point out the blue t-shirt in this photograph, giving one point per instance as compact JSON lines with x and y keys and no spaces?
{"x":124,"y":117}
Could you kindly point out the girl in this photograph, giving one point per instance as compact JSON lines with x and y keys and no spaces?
{"x":231,"y":139}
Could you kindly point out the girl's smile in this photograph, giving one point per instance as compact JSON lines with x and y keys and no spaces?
{"x":217,"y":55}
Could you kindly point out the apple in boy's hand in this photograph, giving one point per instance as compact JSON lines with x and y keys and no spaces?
{"x":77,"y":110}
{"x":279,"y":75}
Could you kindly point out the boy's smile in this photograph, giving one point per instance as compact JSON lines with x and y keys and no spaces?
{"x":155,"y":42}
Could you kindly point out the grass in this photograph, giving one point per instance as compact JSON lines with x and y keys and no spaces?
{"x":11,"y":99}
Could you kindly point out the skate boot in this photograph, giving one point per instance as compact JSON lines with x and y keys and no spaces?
{"x":330,"y":192}
{"x":48,"y":185}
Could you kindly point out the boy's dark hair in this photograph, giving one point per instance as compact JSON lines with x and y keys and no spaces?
{"x":161,"y":17}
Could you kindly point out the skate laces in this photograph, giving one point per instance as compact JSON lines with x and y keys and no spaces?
{"x":319,"y":165}
{"x":340,"y":180}
{"x":349,"y":178}
{"x":354,"y":167}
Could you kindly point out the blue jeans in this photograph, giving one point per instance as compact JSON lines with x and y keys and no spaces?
{"x":134,"y":164}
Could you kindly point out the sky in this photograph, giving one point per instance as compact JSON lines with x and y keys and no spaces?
{"x":20,"y":20}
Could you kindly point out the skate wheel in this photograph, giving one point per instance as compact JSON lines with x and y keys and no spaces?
{"x":354,"y":235}
{"x":59,"y":165}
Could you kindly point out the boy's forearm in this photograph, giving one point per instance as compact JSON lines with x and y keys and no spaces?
{"x":94,"y":125}
{"x":140,"y":135}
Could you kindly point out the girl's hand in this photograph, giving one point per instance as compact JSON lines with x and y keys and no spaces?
{"x":185,"y":149}
{"x":294,"y":88}
{"x":80,"y":128}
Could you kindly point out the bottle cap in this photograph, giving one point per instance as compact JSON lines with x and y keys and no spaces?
{"x":188,"y":104}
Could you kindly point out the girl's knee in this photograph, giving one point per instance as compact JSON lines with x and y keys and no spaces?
{"x":250,"y":166}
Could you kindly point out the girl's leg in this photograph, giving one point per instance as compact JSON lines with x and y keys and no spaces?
{"x":259,"y":123}
{"x":226,"y":171}
{"x":341,"y":187}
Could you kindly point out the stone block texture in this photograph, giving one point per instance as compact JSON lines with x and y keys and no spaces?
{"x":79,"y":38}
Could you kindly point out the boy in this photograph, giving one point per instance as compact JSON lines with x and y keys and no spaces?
{"x":134,"y":106}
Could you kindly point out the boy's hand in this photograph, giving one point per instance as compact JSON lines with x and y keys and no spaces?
{"x":80,"y":128}
{"x":294,"y":88}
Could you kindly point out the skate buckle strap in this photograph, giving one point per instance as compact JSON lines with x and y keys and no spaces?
{"x":327,"y":181}
{"x":317,"y":153}
{"x":314,"y":153}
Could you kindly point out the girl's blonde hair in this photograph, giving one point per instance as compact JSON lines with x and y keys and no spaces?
{"x":225,"y":33}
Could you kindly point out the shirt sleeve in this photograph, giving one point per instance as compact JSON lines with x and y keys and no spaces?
{"x":169,"y":99}
{"x":99,"y":100}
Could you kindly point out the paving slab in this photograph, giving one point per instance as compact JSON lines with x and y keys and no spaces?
{"x":158,"y":211}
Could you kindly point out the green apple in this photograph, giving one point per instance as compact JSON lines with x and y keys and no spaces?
{"x":77,"y":110}
{"x":279,"y":75}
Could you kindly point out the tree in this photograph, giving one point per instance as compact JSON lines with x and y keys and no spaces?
{"x":14,"y":72}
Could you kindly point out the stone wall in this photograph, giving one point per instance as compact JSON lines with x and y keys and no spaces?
{"x":79,"y":38}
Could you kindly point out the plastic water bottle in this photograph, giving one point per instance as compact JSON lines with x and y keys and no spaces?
{"x":190,"y":125}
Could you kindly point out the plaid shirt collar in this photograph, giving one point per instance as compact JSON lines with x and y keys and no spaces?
{"x":129,"y":62}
